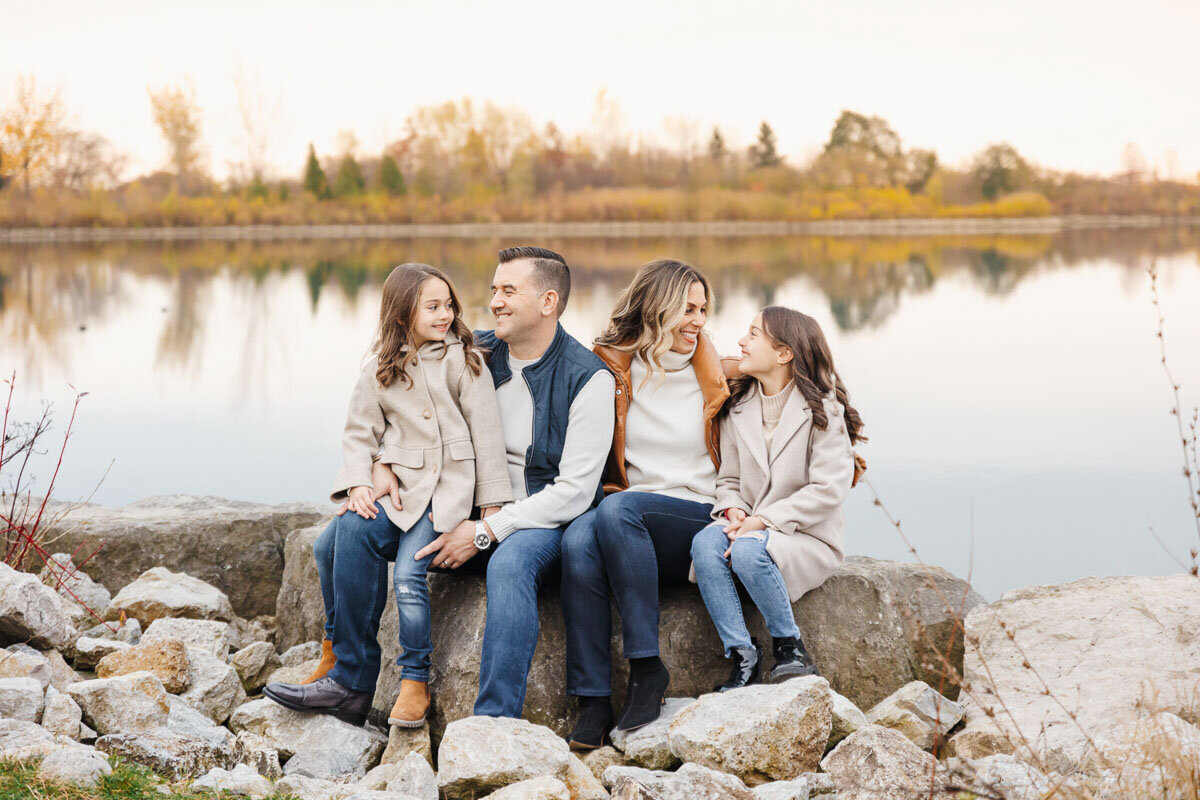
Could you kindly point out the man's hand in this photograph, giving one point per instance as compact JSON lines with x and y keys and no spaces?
{"x":384,"y":482}
{"x":453,"y":548}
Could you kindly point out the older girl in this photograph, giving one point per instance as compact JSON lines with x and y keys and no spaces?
{"x":786,"y":466}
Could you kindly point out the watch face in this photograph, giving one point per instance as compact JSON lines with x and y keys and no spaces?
{"x":482,"y":540}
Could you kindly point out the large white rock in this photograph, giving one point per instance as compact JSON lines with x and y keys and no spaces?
{"x":84,"y":600}
{"x":166,"y":658}
{"x":917,"y":711}
{"x":300,"y":654}
{"x":21,"y":740}
{"x":81,"y":766}
{"x":402,"y":741}
{"x":22,"y":661}
{"x":254,"y":664}
{"x":158,"y":593}
{"x":32,"y":612}
{"x":808,"y":786}
{"x":291,"y":732}
{"x":313,"y":788}
{"x":257,"y":752}
{"x":61,"y":714}
{"x":1003,"y":776}
{"x":758,"y":733}
{"x":328,"y":763}
{"x":581,"y":782}
{"x":211,"y":635}
{"x":125,"y":704}
{"x":847,"y":718}
{"x":215,"y":689}
{"x":647,"y":746}
{"x":169,"y":753}
{"x":89,"y":651}
{"x":689,"y":782}
{"x":411,"y":776}
{"x":21,"y":698}
{"x":482,"y":754}
{"x":543,"y":788}
{"x":61,"y":674}
{"x":129,"y":631}
{"x":187,"y":721}
{"x":876,"y":763}
{"x":241,"y":780}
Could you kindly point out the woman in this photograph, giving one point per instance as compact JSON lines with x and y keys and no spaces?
{"x":660,"y":483}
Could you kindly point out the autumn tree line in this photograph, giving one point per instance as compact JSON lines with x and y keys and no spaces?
{"x":463,"y":161}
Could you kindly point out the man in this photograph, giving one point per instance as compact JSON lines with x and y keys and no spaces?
{"x":556,"y":411}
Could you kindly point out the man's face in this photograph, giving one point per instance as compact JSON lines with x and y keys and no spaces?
{"x":516,"y":300}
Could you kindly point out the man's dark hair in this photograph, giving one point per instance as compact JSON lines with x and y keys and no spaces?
{"x":550,"y":270}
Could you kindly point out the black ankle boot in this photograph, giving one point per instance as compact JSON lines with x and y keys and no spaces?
{"x":594,"y":722}
{"x":747,"y":667}
{"x":648,"y":681}
{"x":791,"y":660}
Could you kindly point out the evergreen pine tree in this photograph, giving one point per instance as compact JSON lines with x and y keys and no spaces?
{"x":349,"y":180}
{"x":391,"y":180}
{"x":716,"y":146}
{"x":763,"y":153}
{"x":314,"y":176}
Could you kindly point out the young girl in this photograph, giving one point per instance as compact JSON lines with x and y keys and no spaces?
{"x":425,"y":406}
{"x":786,"y":465}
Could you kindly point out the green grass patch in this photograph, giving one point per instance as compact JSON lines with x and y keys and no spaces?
{"x":127,"y":782}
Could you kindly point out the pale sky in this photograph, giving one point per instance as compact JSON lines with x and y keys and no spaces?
{"x":1067,"y":83}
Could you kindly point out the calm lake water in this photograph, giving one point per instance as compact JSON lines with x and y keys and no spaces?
{"x":1011,"y":386}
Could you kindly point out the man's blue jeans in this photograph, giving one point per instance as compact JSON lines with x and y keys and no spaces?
{"x":352,"y":560}
{"x":752,"y":564}
{"x":624,"y":548}
{"x":517,"y":569}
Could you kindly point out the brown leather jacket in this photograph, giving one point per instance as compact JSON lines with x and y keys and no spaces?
{"x":710,"y":373}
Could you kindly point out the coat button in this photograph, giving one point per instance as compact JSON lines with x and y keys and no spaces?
{"x":435,"y":469}
{"x":426,"y":414}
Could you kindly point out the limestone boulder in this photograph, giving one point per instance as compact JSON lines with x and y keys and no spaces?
{"x":23,"y":661}
{"x":125,"y":704}
{"x":79,"y":766}
{"x":403,"y":741}
{"x":544,"y":788}
{"x":187,"y":721}
{"x":235,"y":546}
{"x":21,"y":741}
{"x":254,"y":664}
{"x":689,"y":782}
{"x":32,"y":613}
{"x":83,"y":598}
{"x":917,"y":711}
{"x":1149,"y":635}
{"x":214,"y":688}
{"x":1004,"y":776}
{"x":479,"y":755}
{"x":258,"y":753}
{"x":299,"y":609}
{"x":61,"y":714}
{"x":291,"y":732}
{"x":847,"y":718}
{"x":581,"y":782}
{"x":412,"y":776}
{"x":602,"y":758}
{"x":328,"y":764}
{"x":301,"y":653}
{"x":212,"y":635}
{"x":90,"y":652}
{"x":314,"y":788}
{"x":129,"y":631}
{"x":647,"y":746}
{"x":629,"y":789}
{"x":877,"y":763}
{"x":242,"y":781}
{"x":173,"y":755}
{"x":759,"y":733}
{"x":21,"y":698}
{"x":158,"y":592}
{"x":61,"y":674}
{"x":808,"y":786}
{"x":167,"y":659}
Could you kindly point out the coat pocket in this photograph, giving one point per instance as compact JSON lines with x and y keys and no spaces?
{"x":461,"y":450}
{"x":403,"y":457}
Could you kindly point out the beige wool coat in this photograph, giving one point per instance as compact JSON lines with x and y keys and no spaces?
{"x":440,"y":433}
{"x":797,"y":487}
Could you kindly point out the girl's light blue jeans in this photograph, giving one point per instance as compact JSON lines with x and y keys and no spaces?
{"x":753,"y":566}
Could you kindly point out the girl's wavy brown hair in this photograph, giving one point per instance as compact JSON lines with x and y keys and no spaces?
{"x":812,"y":368}
{"x":394,"y":344}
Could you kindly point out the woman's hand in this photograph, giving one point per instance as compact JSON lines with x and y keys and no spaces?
{"x":384,"y":483}
{"x":362,"y":502}
{"x":746,"y":526}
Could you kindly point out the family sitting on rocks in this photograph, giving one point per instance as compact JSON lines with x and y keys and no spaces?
{"x":646,"y":460}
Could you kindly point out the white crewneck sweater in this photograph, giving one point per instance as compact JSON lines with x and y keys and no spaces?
{"x":664,"y":432}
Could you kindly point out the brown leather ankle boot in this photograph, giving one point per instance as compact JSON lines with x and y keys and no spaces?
{"x":328,"y":660}
{"x":411,"y":706}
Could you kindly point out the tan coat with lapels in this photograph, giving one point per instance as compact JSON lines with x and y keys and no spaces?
{"x":797,"y":487}
{"x":440,"y":432}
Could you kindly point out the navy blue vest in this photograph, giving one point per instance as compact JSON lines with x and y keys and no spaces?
{"x":554,"y":381}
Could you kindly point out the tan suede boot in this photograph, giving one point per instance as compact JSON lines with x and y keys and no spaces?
{"x":411,"y":706}
{"x":327,"y":662}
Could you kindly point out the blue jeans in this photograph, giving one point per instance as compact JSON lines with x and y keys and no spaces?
{"x":361,"y":550}
{"x":624,"y":548}
{"x":517,"y":569}
{"x":752,"y":564}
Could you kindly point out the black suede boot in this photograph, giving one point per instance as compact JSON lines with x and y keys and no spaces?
{"x":791,"y":660}
{"x":747,"y":667}
{"x":593,"y":724}
{"x":648,"y":681}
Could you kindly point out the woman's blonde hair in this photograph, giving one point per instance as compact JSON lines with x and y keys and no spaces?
{"x":650,"y":307}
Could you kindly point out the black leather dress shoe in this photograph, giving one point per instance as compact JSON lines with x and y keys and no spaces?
{"x":323,"y":696}
{"x":645,"y":697}
{"x":747,"y":667}
{"x":594,"y":722}
{"x":791,"y":660}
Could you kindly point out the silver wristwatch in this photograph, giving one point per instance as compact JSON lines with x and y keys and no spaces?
{"x":482,"y":540}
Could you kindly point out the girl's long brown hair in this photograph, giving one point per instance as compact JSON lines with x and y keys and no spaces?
{"x":812,"y":368}
{"x":394,"y":344}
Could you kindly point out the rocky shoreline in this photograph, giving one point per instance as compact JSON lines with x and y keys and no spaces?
{"x":1087,"y":689}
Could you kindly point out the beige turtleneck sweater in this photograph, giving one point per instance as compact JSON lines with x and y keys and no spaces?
{"x":772,"y":410}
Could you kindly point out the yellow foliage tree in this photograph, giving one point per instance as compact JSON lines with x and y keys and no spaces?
{"x":30,"y":132}
{"x":178,"y":118}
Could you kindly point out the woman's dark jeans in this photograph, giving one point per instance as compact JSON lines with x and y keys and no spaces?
{"x":624,"y":549}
